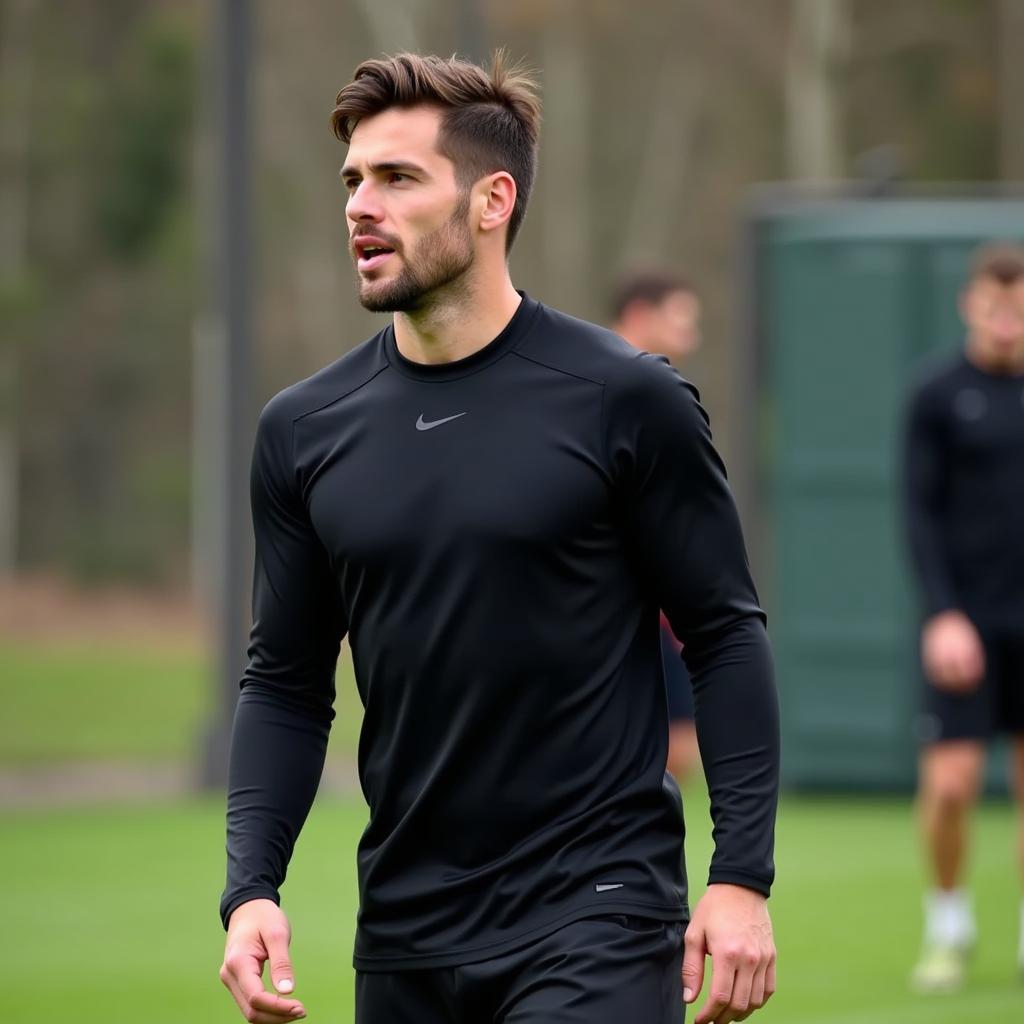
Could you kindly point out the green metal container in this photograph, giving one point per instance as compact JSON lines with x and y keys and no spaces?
{"x":849,"y":295}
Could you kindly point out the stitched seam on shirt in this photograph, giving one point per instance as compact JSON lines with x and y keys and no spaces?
{"x":557,"y":369}
{"x":343,"y":395}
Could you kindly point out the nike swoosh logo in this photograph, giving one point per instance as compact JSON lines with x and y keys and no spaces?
{"x":422,"y":424}
{"x":604,"y":888}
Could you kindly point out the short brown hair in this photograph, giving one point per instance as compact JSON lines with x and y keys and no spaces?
{"x":490,"y":119}
{"x":999,"y":261}
{"x":650,"y":286}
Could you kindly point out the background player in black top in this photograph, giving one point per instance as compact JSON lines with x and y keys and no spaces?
{"x":494,"y":500}
{"x":658,"y":311}
{"x":964,"y":502}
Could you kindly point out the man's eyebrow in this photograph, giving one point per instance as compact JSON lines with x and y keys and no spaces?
{"x":384,"y":167}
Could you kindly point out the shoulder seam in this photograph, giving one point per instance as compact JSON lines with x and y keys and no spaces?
{"x":602,"y":384}
{"x":557,"y":369}
{"x":344,"y":394}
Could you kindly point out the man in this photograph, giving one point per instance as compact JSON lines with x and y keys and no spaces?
{"x":659,"y":312}
{"x":964,"y":495}
{"x":471,"y":494}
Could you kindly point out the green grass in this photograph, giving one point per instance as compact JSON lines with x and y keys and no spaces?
{"x":98,"y":702}
{"x":110,"y":915}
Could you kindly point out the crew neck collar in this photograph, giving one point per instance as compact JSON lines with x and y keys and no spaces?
{"x":512,"y":333}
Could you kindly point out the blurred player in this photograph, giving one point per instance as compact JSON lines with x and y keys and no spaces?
{"x":494,"y":500}
{"x":659,"y":312}
{"x":965,"y":510}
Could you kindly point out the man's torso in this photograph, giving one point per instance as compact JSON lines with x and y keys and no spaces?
{"x":513,"y":744}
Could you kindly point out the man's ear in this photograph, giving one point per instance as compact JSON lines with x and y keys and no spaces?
{"x":497,"y":200}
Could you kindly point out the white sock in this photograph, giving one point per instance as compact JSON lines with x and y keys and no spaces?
{"x":949,"y":919}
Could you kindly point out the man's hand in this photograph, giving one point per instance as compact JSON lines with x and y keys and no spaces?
{"x":952,"y":652}
{"x":258,"y":931}
{"x":731,"y":925}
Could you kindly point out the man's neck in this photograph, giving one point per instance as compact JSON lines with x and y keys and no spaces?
{"x":988,"y":362}
{"x":458,"y":324}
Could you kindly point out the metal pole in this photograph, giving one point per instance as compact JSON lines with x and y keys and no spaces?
{"x":233,"y":139}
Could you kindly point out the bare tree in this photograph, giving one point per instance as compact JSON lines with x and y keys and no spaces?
{"x":15,"y":121}
{"x":667,"y":156}
{"x":565,"y":162}
{"x":818,"y":42}
{"x":1011,"y":89}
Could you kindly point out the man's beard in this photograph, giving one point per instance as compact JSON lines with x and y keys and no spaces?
{"x":438,"y":260}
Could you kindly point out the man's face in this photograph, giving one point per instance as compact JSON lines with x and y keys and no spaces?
{"x":408,"y":220}
{"x":994,"y":315}
{"x":674,"y":325}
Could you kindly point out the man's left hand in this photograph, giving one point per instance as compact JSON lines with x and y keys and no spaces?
{"x":731,"y":925}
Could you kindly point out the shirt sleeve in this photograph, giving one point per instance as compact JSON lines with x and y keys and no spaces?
{"x":684,"y":531}
{"x":285,"y":708}
{"x":924,"y":496}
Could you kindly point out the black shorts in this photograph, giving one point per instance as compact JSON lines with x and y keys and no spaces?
{"x":601,"y":970}
{"x":996,"y":706}
{"x":678,"y":686}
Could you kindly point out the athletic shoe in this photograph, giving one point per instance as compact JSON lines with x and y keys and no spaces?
{"x":941,"y":969}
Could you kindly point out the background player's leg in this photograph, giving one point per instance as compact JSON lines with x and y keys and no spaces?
{"x":950,"y":779}
{"x":1017,"y":783}
{"x":1011,"y":721}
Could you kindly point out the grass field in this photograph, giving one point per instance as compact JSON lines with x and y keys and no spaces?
{"x":110,"y":915}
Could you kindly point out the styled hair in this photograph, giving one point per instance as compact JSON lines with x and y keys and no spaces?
{"x":648,"y":286}
{"x":1001,"y":261}
{"x":490,"y":118}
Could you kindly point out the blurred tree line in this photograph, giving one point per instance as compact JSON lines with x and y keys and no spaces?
{"x":658,"y":116}
{"x":99,"y":290}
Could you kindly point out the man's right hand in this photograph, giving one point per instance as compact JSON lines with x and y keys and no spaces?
{"x":258,"y":931}
{"x":952,"y":652}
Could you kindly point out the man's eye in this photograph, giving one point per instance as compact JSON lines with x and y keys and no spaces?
{"x":351,"y":184}
{"x":397,"y":176}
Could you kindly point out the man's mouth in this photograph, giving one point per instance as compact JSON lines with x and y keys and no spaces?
{"x":371,"y":253}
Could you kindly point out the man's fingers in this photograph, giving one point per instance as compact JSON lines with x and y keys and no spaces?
{"x":769,"y":979}
{"x":738,"y":985}
{"x":754,"y":1001}
{"x":743,"y":983}
{"x":254,"y":1013}
{"x":716,"y":1008}
{"x":693,"y":963}
{"x":241,"y":974}
{"x":281,"y":972}
{"x":757,"y":988}
{"x":275,"y":1008}
{"x":232,"y":986}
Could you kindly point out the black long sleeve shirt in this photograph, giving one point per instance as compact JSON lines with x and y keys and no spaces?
{"x":497,"y":535}
{"x":964,"y":491}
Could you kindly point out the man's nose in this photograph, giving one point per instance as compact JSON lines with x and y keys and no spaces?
{"x":362,"y":204}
